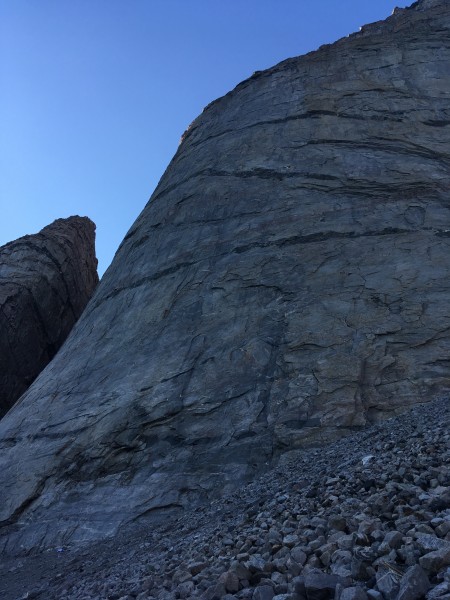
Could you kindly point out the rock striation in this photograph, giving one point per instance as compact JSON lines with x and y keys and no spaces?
{"x":365,"y":518}
{"x":287,"y":282}
{"x":46,"y":281}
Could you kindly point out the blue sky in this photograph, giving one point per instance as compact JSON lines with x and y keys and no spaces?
{"x":95,"y":94}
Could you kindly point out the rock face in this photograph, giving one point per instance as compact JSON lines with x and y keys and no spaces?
{"x":358,"y":514}
{"x":288,"y":281}
{"x":46,"y":281}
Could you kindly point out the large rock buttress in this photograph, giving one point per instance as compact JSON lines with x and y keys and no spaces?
{"x":288,"y":281}
{"x":46,"y":281}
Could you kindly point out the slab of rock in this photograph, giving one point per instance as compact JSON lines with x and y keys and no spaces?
{"x":322,"y":586}
{"x":388,"y":584}
{"x":287,"y":282}
{"x":429,"y":543}
{"x":264,"y":592}
{"x":414,"y":584}
{"x":46,"y":280}
{"x":353,"y":593}
{"x":434,"y":561}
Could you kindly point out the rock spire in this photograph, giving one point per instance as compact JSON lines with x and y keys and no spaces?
{"x":46,"y":281}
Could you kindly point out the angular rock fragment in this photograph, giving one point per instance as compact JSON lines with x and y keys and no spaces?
{"x":230,"y":581}
{"x":263,"y":592}
{"x":388,"y":583}
{"x":414,"y":584}
{"x":353,"y":593}
{"x":430,"y":543}
{"x":322,"y":586}
{"x":434,"y":561}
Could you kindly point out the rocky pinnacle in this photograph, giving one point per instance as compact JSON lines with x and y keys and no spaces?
{"x":46,"y":281}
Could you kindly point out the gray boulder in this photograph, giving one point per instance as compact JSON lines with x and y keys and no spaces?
{"x":414,"y":584}
{"x":322,"y":586}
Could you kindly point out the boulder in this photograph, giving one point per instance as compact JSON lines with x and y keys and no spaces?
{"x":322,"y":586}
{"x":414,"y":584}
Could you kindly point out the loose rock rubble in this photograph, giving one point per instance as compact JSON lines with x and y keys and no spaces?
{"x":366,"y":518}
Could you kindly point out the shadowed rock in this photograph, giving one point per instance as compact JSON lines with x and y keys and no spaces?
{"x":46,"y":281}
{"x":287,"y":282}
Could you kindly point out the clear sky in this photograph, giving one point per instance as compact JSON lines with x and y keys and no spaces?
{"x":95,"y":94}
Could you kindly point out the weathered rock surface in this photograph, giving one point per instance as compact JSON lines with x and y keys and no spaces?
{"x":46,"y":281}
{"x":282,"y":535}
{"x":287,"y":282}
